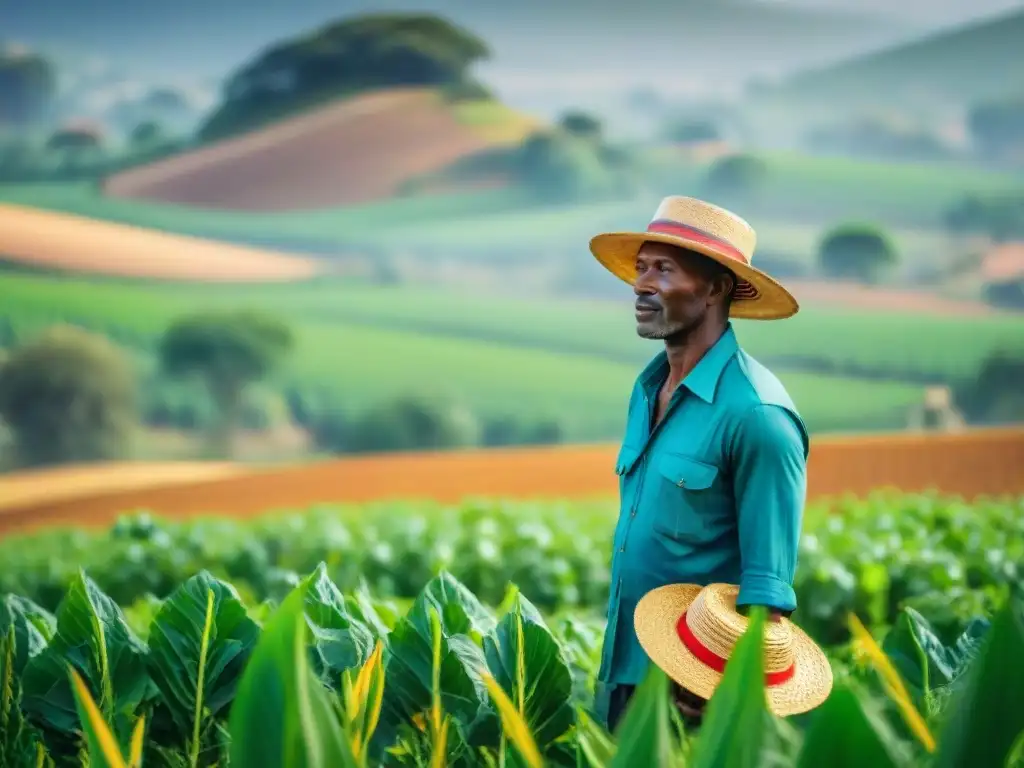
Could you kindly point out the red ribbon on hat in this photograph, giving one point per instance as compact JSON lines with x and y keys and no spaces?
{"x":711,"y":659}
{"x":677,"y":229}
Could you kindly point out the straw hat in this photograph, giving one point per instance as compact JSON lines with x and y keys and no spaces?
{"x":712,"y":231}
{"x":690,"y":632}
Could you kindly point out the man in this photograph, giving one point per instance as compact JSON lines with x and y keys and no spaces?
{"x":712,"y":468}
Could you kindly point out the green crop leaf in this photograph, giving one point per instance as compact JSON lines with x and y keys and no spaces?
{"x":849,"y":732}
{"x":645,"y":734}
{"x":522,"y":639}
{"x":282,"y":715}
{"x":922,"y":659}
{"x":985,"y":718}
{"x":16,"y":742}
{"x":738,"y":707}
{"x":339,"y":641}
{"x":94,"y":638}
{"x":199,"y":643}
{"x":33,"y":627}
{"x":408,"y":680}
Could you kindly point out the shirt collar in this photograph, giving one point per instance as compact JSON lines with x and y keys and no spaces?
{"x":703,"y":379}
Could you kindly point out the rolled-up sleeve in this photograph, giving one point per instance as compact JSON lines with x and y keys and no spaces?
{"x":770,"y":475}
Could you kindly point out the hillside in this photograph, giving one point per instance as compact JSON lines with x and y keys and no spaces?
{"x":54,"y":241}
{"x":970,"y":63}
{"x":347,"y":152}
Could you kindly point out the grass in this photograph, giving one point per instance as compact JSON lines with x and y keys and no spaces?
{"x":575,"y":362}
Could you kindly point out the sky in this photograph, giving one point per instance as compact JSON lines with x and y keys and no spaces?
{"x":116,"y":49}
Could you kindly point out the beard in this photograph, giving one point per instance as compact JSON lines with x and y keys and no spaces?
{"x":660,"y":329}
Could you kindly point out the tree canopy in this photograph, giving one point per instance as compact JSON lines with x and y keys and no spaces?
{"x":371,"y":51}
{"x":856,"y":251}
{"x":28,"y":85}
{"x":68,"y":395}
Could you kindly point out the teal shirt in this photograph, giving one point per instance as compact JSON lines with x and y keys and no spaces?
{"x":714,"y":494}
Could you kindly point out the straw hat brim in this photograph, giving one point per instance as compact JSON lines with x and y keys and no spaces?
{"x":655,"y":621}
{"x":617,"y":252}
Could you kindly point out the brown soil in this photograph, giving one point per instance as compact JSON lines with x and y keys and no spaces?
{"x":64,"y":242}
{"x":350,"y":152}
{"x":978,"y":461}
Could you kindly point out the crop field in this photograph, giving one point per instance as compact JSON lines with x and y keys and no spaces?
{"x":50,"y":241}
{"x":528,"y":357}
{"x":352,"y":151}
{"x":470,"y":635}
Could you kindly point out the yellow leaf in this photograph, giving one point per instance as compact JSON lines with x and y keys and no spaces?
{"x":439,"y":757}
{"x":138,"y":733}
{"x":514,"y":724}
{"x":361,"y":687}
{"x":867,"y":645}
{"x":104,"y":738}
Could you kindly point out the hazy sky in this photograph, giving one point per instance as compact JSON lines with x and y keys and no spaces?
{"x":940,"y":11}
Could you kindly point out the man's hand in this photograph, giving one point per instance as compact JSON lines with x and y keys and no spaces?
{"x":774,"y":614}
{"x":690,"y":706}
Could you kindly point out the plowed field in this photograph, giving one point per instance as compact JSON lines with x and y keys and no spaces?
{"x":57,"y":241}
{"x":353,"y":151}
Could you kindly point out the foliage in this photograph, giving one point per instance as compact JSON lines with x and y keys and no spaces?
{"x":995,"y":396}
{"x":736,"y":178}
{"x":562,"y":166}
{"x":228,"y":351}
{"x":581,"y":124}
{"x":857,"y":251}
{"x":948,"y":559}
{"x":68,"y":395}
{"x":998,"y":127}
{"x":326,"y":678}
{"x":28,"y":84}
{"x":364,"y":52}
{"x":1001,"y":217}
{"x":693,"y":131}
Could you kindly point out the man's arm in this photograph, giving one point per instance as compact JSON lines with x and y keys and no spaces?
{"x":770,"y":486}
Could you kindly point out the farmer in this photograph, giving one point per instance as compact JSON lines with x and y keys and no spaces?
{"x":712,"y":468}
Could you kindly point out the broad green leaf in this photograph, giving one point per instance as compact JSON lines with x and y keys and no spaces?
{"x":282,"y":715}
{"x":738,"y":706}
{"x":849,"y":732}
{"x":16,"y":742}
{"x":339,"y":641}
{"x":595,"y":747}
{"x":546,"y":679}
{"x":645,"y":734}
{"x":196,"y":659}
{"x":985,"y":718}
{"x":94,"y":638}
{"x":104,"y":751}
{"x":920,"y":656}
{"x":409,"y":669}
{"x":33,"y":627}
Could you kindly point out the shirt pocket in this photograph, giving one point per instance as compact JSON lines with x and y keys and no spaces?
{"x":689,"y":503}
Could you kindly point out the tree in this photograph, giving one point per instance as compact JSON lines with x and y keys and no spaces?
{"x":28,"y":85}
{"x":582,"y":125}
{"x":147,"y":134}
{"x":693,"y":132}
{"x":995,"y":395}
{"x":856,"y":251}
{"x":68,"y":396}
{"x":414,"y":423}
{"x":736,"y":176}
{"x":998,"y":127}
{"x":563,"y":168}
{"x":380,"y":50}
{"x":75,"y":139}
{"x":228,"y":351}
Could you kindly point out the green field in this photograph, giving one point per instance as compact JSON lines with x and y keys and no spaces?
{"x":907,"y":198}
{"x":573,"y":361}
{"x":214,"y":633}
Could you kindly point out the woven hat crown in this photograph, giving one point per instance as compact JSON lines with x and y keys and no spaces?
{"x":713,"y":620}
{"x":709,"y":218}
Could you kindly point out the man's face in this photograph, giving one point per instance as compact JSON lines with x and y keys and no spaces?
{"x":674,"y":289}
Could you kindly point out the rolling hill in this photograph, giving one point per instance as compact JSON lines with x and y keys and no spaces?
{"x":348,"y":152}
{"x":977,"y":61}
{"x":50,"y":241}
